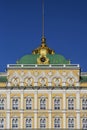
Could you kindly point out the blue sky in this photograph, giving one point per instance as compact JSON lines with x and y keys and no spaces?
{"x":21,"y":29}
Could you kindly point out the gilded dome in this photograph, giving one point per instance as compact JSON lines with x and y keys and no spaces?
{"x":43,"y":49}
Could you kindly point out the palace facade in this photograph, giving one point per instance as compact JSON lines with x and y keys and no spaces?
{"x":43,"y":90}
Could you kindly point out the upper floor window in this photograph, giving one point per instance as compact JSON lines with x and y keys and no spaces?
{"x":71,"y":123}
{"x":70,"y":103}
{"x":84,"y":103}
{"x":28,"y":123}
{"x":84,"y":123}
{"x":57,"y":122}
{"x":14,"y":123}
{"x":42,"y":123}
{"x":28,"y":103}
{"x":1,"y":104}
{"x":42,"y":103}
{"x":57,"y":103}
{"x":1,"y":123}
{"x":15,"y":104}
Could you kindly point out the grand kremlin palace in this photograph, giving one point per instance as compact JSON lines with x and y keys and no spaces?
{"x":43,"y":90}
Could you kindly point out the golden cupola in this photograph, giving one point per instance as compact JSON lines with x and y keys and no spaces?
{"x":43,"y":50}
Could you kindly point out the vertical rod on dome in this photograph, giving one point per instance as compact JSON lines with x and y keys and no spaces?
{"x":43,"y":18}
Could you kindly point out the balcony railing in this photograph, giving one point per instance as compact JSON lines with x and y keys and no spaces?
{"x":12,"y":66}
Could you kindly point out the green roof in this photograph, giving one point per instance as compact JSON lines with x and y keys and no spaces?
{"x":83,"y":79}
{"x":3,"y":79}
{"x":32,"y":59}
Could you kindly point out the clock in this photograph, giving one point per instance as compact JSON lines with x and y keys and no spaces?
{"x":43,"y":59}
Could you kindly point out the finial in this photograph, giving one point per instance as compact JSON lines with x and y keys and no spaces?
{"x":43,"y":40}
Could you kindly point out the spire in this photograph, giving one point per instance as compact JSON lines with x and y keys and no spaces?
{"x":43,"y":39}
{"x":42,"y":18}
{"x":43,"y":46}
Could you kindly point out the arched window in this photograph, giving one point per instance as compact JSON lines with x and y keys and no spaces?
{"x":15,"y":104}
{"x":14,"y":123}
{"x":57,"y":122}
{"x":57,"y":103}
{"x":84,"y":123}
{"x":84,"y":103}
{"x":71,"y":123}
{"x":28,"y":123}
{"x":1,"y":104}
{"x":70,"y":103}
{"x":28,"y":103}
{"x":42,"y":103}
{"x":42,"y":123}
{"x":1,"y":123}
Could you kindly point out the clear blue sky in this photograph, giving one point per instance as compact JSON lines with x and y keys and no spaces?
{"x":21,"y":28}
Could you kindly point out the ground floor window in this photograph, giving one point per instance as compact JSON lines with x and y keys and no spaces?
{"x":57,"y":122}
{"x":84,"y":123}
{"x":28,"y":123}
{"x":71,"y":122}
{"x":1,"y":123}
{"x":42,"y":123}
{"x":14,"y":123}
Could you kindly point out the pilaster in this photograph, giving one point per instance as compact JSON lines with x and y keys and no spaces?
{"x":22,"y":100}
{"x":64,"y":120}
{"x":8,"y":110}
{"x":78,"y":108}
{"x":22,"y":109}
{"x":21,"y":120}
{"x":35,"y":120}
{"x":50,"y":108}
{"x":35,"y":109}
{"x":78,"y":120}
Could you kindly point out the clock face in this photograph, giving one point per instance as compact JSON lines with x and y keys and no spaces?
{"x":43,"y":59}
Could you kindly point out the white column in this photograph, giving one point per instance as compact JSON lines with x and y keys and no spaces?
{"x":64,"y":109}
{"x":64,"y":100}
{"x":35,"y":100}
{"x":49,"y":101}
{"x":35,"y":109}
{"x":22,"y":101}
{"x":50,"y":108}
{"x":78,"y":108}
{"x":8,"y":120}
{"x":35,"y":120}
{"x":78,"y":100}
{"x":8,"y":110}
{"x":50,"y":118}
{"x":21,"y":109}
{"x":78,"y":120}
{"x":64,"y":120}
{"x":21,"y":120}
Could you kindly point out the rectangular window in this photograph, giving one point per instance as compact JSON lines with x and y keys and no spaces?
{"x":84,"y":123}
{"x":15,"y":104}
{"x":1,"y":123}
{"x":57,"y":123}
{"x":84,"y":103}
{"x":28,"y":103}
{"x":43,"y":123}
{"x":70,"y":103}
{"x":14,"y":123}
{"x":56,"y":103}
{"x":28,"y":123}
{"x":71,"y":123}
{"x":43,"y":103}
{"x":1,"y":104}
